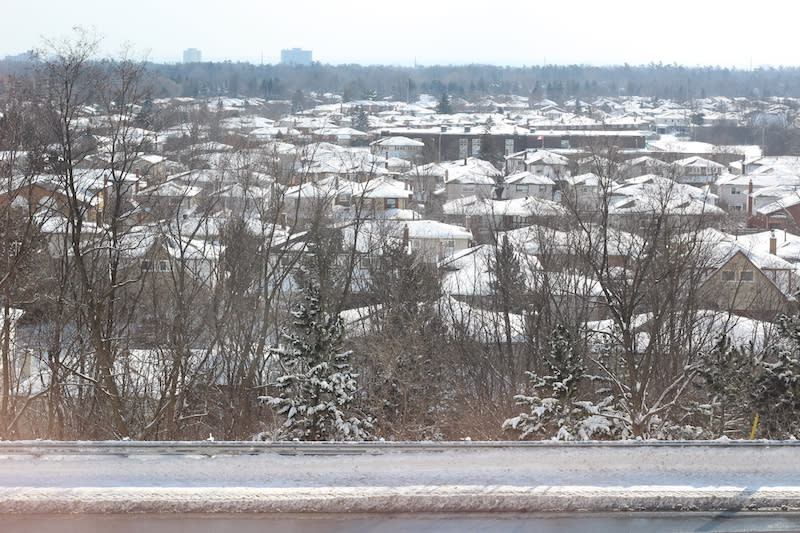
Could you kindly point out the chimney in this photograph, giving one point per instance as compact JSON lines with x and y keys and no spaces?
{"x":750,"y":199}
{"x":773,"y":243}
{"x":405,"y":236}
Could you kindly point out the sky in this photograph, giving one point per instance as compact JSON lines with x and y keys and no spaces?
{"x":517,"y":32}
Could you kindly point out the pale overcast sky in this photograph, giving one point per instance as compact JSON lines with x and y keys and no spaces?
{"x":516,"y":32}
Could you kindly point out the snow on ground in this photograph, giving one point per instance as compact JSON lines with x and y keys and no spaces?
{"x":549,"y":477}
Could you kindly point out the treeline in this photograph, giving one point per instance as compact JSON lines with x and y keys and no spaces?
{"x":405,"y":83}
{"x":558,"y":82}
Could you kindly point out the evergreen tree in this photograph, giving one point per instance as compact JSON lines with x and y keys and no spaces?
{"x":410,"y":360}
{"x":508,"y":288}
{"x":777,"y":389}
{"x":727,"y":374}
{"x":444,"y":106}
{"x":317,"y":388}
{"x":144,"y":119}
{"x":298,"y":101}
{"x":554,"y":409}
{"x":359,"y":118}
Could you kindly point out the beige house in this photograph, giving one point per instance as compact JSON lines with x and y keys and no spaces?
{"x":752,"y":284}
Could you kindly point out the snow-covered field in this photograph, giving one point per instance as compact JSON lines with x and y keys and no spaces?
{"x":469,"y":477}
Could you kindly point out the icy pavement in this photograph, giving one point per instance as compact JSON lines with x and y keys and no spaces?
{"x":436,"y":479}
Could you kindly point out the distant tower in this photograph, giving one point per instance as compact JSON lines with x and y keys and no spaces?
{"x":296,"y":56}
{"x":192,"y":55}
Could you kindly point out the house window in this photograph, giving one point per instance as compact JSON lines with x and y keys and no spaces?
{"x":416,"y":244}
{"x":735,"y":190}
{"x":746,"y":275}
{"x":462,"y":148}
{"x":522,"y":188}
{"x":737,"y":208}
{"x":728,"y":275}
{"x":164,"y":266}
{"x":449,"y":243}
{"x":468,"y":188}
{"x":146,"y":265}
{"x":476,"y":147}
{"x":509,"y":146}
{"x":542,"y":188}
{"x":391,"y":203}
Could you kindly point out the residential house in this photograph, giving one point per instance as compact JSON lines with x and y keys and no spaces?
{"x":527,"y":184}
{"x":430,"y":179}
{"x":696,"y":170}
{"x":537,"y":161}
{"x":485,"y":217}
{"x":585,"y":193}
{"x":637,"y":202}
{"x":470,"y":185}
{"x":303,"y":203}
{"x":399,"y":147}
{"x":378,"y":195}
{"x":435,"y":240}
{"x":639,"y":166}
{"x":747,"y":282}
{"x":165,"y":199}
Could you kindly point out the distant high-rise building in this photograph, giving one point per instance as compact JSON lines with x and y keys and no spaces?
{"x":192,"y":55}
{"x":24,"y":56}
{"x":296,"y":56}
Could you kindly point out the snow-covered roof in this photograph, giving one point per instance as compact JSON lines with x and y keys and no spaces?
{"x":382,"y":187}
{"x":170,"y":189}
{"x":431,"y":229}
{"x":719,"y":248}
{"x":523,"y":207}
{"x":698,"y":162}
{"x":706,"y":327}
{"x":650,"y":193}
{"x":469,"y":273}
{"x":454,"y":169}
{"x":398,"y":141}
{"x":543,"y":157}
{"x":528,"y":178}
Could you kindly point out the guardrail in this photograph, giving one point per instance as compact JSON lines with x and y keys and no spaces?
{"x":397,"y":477}
{"x":214,"y":448}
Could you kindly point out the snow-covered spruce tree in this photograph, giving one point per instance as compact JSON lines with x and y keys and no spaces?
{"x":317,"y":386}
{"x":777,"y":388}
{"x":727,"y":374}
{"x":555,"y":409}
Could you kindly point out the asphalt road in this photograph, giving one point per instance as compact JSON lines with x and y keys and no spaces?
{"x":446,"y":523}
